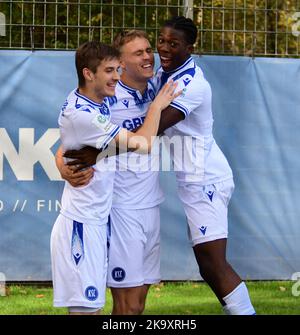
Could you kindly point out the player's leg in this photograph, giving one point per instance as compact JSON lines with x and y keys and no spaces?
{"x":79,"y":265}
{"x":80,"y":310}
{"x":129,"y":300}
{"x":133,"y":250}
{"x":215,"y":269}
{"x":208,"y":229}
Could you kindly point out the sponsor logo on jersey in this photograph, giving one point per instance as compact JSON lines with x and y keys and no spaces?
{"x":203,"y":229}
{"x":186,"y":81}
{"x":118,"y":274}
{"x":134,"y":123}
{"x":91,"y":293}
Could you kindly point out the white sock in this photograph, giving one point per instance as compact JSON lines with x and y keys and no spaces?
{"x":238,"y":301}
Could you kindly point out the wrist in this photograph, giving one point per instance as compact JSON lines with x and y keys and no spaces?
{"x":156,"y":106}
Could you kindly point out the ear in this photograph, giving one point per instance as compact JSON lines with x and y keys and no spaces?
{"x":190,"y":48}
{"x":88,"y":74}
{"x":122,"y":64}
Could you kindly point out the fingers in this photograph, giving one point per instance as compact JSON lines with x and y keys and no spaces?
{"x":170,"y":88}
{"x":81,"y":178}
{"x":77,"y":178}
{"x":177,"y":94}
{"x":81,"y":167}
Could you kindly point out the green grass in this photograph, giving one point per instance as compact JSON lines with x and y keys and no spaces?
{"x":269,"y":298}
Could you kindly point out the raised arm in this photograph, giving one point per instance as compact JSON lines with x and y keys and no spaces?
{"x":143,"y":138}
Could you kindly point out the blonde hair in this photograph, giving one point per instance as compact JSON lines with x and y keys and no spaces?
{"x":125,"y":37}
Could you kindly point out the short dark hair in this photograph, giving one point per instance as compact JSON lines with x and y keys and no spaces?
{"x":187,"y":26}
{"x":124,"y":37}
{"x":90,"y":55}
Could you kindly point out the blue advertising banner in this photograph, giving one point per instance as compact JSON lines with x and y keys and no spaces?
{"x":257,"y":117}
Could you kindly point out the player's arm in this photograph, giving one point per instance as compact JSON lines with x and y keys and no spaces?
{"x":169,"y":117}
{"x":141,"y":139}
{"x":70,"y":173}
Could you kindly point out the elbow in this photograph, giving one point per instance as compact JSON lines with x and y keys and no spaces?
{"x":145,"y":148}
{"x":141,"y":145}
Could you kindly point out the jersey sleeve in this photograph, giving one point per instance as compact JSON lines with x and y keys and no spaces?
{"x":94,"y":129}
{"x":194,"y":92}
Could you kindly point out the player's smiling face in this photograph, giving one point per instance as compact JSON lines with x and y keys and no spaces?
{"x":106,"y":77}
{"x":137,"y":59}
{"x":172,"y":48}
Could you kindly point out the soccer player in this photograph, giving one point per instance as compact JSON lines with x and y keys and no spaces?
{"x":79,"y":239}
{"x":134,"y":244}
{"x":205,"y":193}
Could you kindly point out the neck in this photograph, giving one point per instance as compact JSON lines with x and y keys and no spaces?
{"x":188,"y":57}
{"x":133,"y":83}
{"x":90,"y":94}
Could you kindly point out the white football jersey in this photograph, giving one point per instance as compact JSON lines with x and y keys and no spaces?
{"x":203,"y":161}
{"x":82,"y":123}
{"x":136,"y":185}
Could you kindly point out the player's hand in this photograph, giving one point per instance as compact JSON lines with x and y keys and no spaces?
{"x":76,"y":178}
{"x":83,"y":158}
{"x":166,"y":95}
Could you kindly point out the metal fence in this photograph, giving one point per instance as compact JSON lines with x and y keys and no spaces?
{"x":238,"y":27}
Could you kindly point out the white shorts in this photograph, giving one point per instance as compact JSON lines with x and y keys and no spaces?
{"x":134,"y":247}
{"x":79,"y":263}
{"x":206,"y":210}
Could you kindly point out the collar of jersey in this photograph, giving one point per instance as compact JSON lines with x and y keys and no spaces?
{"x":130,"y":89}
{"x":87,"y":99}
{"x":127,"y":88}
{"x":180,"y":67}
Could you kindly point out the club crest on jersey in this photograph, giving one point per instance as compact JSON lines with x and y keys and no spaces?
{"x":118,"y":274}
{"x":125,"y":103}
{"x":91,"y":293}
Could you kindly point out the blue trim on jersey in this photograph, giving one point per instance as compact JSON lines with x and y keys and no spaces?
{"x":111,"y":100}
{"x":166,"y":75}
{"x":108,"y":227}
{"x":152,"y":84}
{"x":190,"y":71}
{"x":113,"y":134}
{"x":77,"y":246}
{"x":180,"y":67}
{"x":180,"y":107}
{"x":87,"y":99}
{"x":110,"y":136}
{"x":127,"y":87}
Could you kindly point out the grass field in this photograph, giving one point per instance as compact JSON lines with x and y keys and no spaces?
{"x":187,"y":298}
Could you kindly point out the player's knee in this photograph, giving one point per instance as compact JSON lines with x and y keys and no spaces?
{"x":136,"y":308}
{"x":211,"y":267}
{"x":129,"y":308}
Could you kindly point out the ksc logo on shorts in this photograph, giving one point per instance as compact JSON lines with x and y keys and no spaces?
{"x":91,"y":293}
{"x":118,"y":274}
